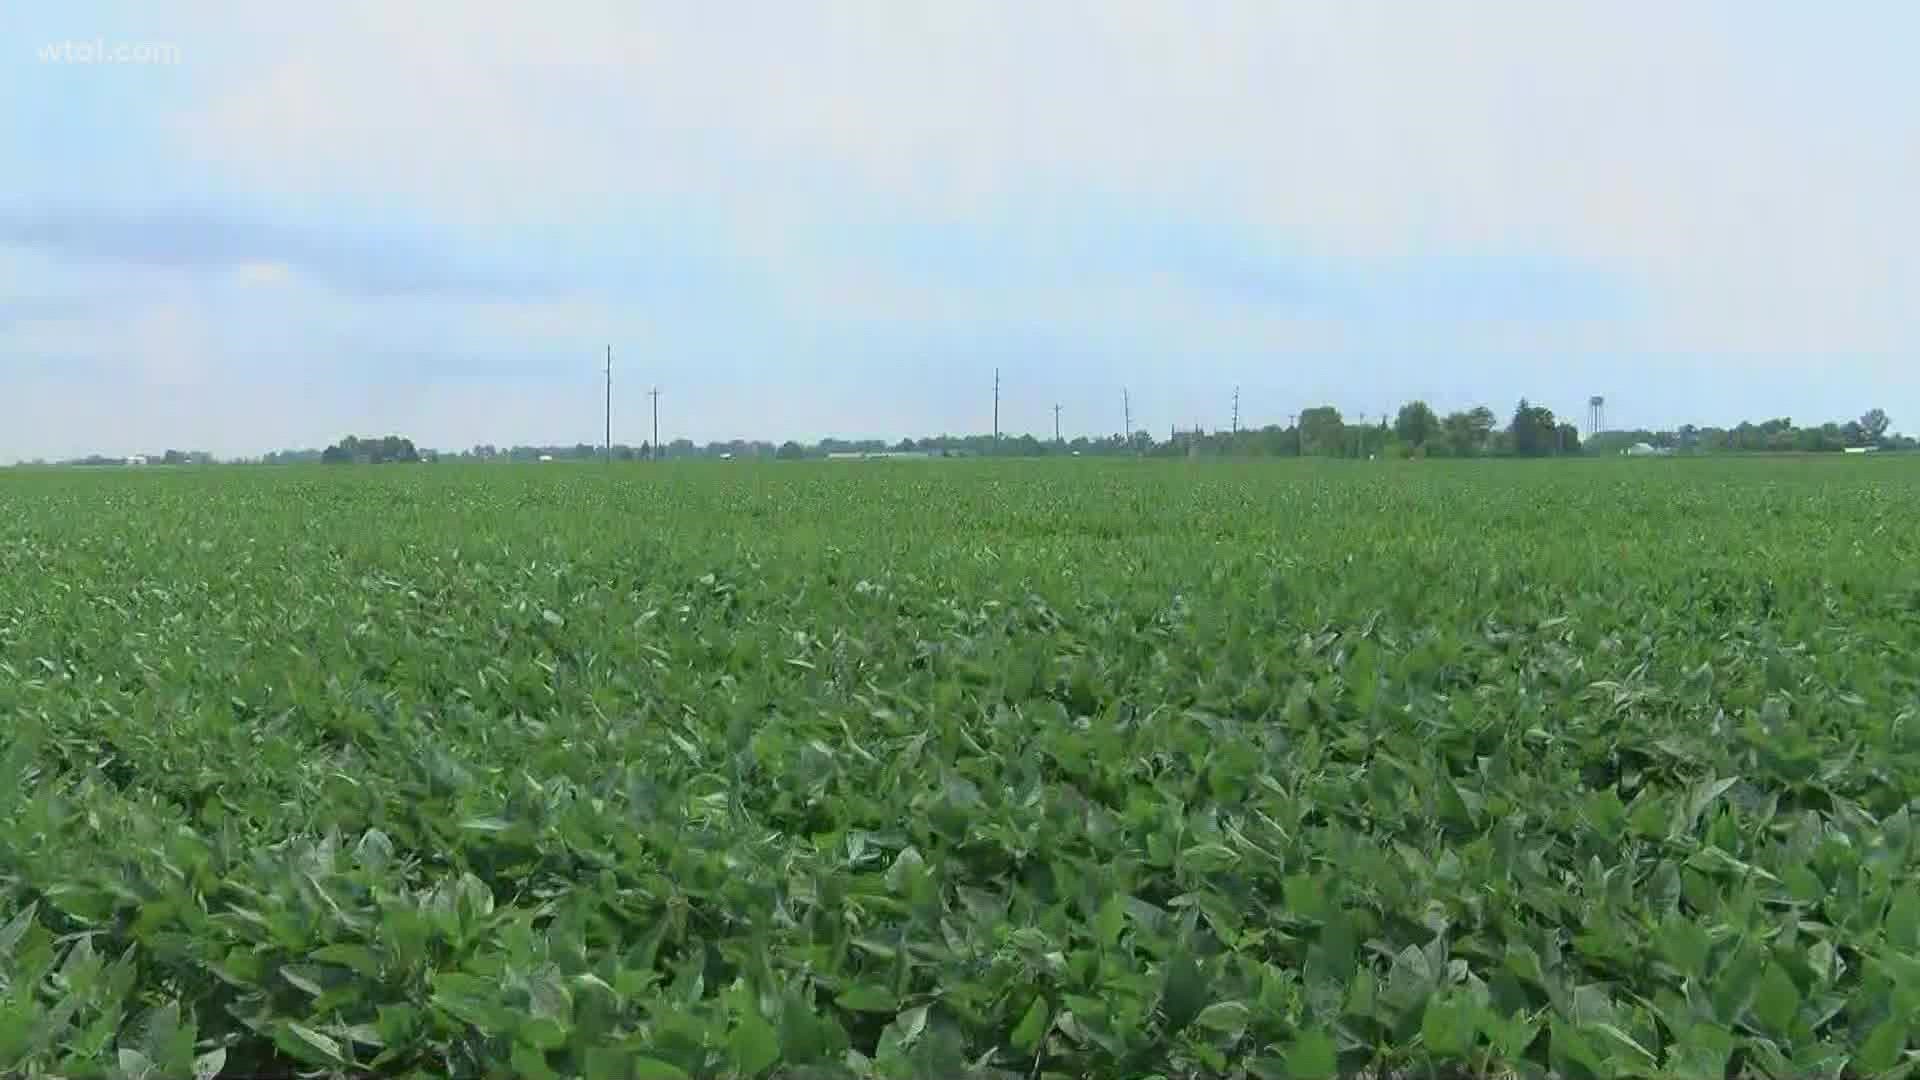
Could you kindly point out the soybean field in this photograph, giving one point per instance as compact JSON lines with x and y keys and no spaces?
{"x":939,"y":769}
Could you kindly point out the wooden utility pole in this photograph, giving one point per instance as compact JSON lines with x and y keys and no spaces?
{"x":996,"y":406}
{"x":609,"y":404}
{"x":655,"y":395}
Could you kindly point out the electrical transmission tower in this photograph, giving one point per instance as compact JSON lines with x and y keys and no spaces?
{"x":1236,"y":410}
{"x":1056,"y":422}
{"x":1126,"y":414}
{"x":609,"y":404}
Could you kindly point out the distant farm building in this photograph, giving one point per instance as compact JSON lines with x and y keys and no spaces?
{"x":1641,"y":449}
{"x":866,"y":455}
{"x":1861,"y":449}
{"x":546,"y":457}
{"x":137,"y":459}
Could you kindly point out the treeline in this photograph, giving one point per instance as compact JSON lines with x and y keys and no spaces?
{"x":353,"y":450}
{"x":1773,"y":436}
{"x":1317,"y":432}
{"x":167,"y":457}
{"x":1415,"y":430}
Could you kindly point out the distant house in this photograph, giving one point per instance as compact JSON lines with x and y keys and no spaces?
{"x":546,"y":457}
{"x":864,"y":455}
{"x":137,"y":459}
{"x":1861,"y":449}
{"x":1641,"y":449}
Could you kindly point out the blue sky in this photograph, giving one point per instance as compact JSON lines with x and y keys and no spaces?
{"x":840,"y":217}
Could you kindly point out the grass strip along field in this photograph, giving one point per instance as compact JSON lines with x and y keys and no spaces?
{"x":940,"y":769}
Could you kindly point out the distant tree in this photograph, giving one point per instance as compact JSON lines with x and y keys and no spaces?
{"x":1416,"y":423}
{"x":1568,"y":441}
{"x":1874,"y":424}
{"x":389,"y":448}
{"x":1467,"y":432}
{"x":790,"y":451}
{"x":1322,"y":431}
{"x":1533,"y":431}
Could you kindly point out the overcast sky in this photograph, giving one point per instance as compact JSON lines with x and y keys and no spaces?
{"x":812,"y":218}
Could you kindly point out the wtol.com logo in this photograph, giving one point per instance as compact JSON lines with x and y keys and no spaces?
{"x":102,"y":51}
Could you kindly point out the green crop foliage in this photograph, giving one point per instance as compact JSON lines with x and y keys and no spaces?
{"x":939,"y":769}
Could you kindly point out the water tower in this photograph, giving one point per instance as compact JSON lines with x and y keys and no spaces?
{"x":1596,"y":415}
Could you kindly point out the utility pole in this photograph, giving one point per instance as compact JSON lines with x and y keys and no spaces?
{"x":655,"y":395}
{"x":996,"y":406}
{"x":1236,"y":410}
{"x":1126,"y":413}
{"x":1056,"y":421}
{"x":609,"y":404}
